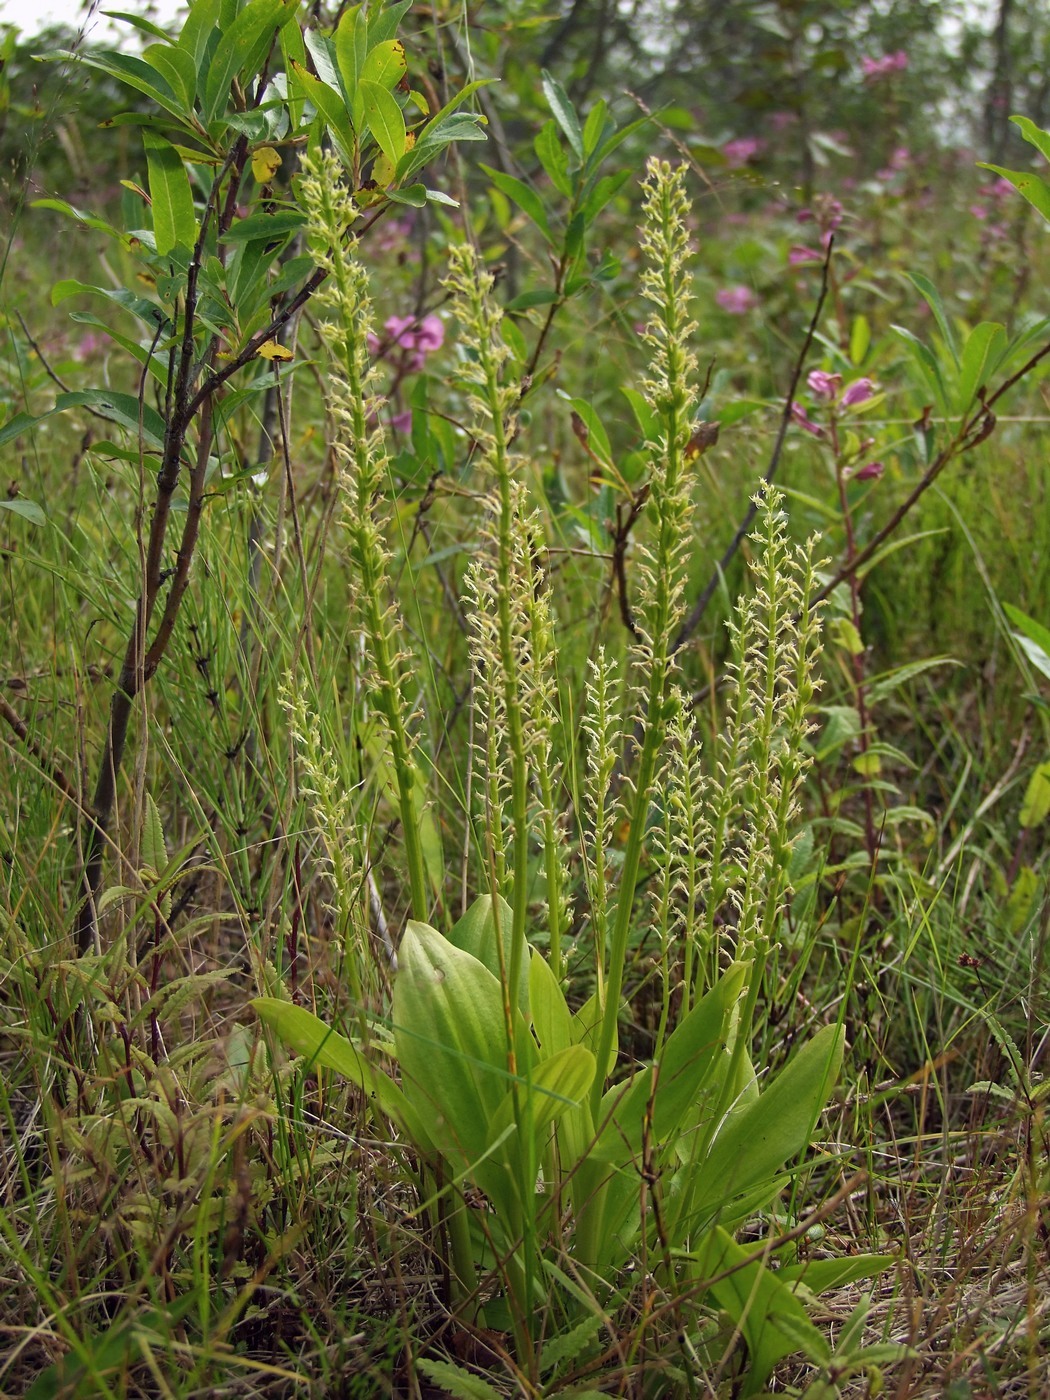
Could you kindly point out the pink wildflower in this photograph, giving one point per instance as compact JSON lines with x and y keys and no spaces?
{"x":419,"y":337}
{"x":799,"y":415}
{"x":400,"y":330}
{"x":738,"y":301}
{"x":88,"y":345}
{"x":875,"y":68}
{"x":824,"y":385}
{"x":741,"y":150}
{"x":858,"y":392}
{"x":871,"y":471}
{"x":798,"y":254}
{"x":431,"y":333}
{"x":402,"y":422}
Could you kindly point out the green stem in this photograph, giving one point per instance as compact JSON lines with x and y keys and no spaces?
{"x":673,"y":401}
{"x":509,"y":666}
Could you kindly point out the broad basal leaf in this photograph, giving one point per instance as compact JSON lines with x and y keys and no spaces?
{"x":451,"y":1040}
{"x":771,"y":1130}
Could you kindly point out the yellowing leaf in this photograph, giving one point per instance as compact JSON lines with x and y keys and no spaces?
{"x":1020,"y":905}
{"x":383,"y":168}
{"x":847,"y":636}
{"x":1036,"y":805}
{"x":383,"y":171}
{"x":868,"y":765}
{"x":265,"y":164}
{"x":270,"y":350}
{"x":386,"y":64}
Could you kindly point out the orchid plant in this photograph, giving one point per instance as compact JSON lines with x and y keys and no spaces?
{"x":586,"y":1162}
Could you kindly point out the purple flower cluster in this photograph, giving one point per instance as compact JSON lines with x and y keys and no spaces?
{"x":737,"y":300}
{"x":406,"y":343}
{"x":415,"y":338}
{"x":871,"y":471}
{"x":826,"y":389}
{"x":876,"y":68}
{"x":900,"y":159}
{"x":827,"y":213}
{"x":991,"y":209}
{"x":742,"y":150}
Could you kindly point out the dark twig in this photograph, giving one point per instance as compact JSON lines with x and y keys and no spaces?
{"x":691,"y":623}
{"x":53,"y":770}
{"x":217,"y":378}
{"x":979,"y":426}
{"x":627,"y":514}
{"x":40,"y":356}
{"x":974,"y":431}
{"x":139,"y":664}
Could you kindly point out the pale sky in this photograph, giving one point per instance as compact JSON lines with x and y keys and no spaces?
{"x":33,"y":15}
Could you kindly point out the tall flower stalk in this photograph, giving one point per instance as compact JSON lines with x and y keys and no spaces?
{"x":321,"y":786}
{"x":514,"y":668}
{"x":501,"y":642}
{"x":601,"y":728}
{"x":687,"y":842}
{"x":671,"y":394}
{"x":360,"y":451}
